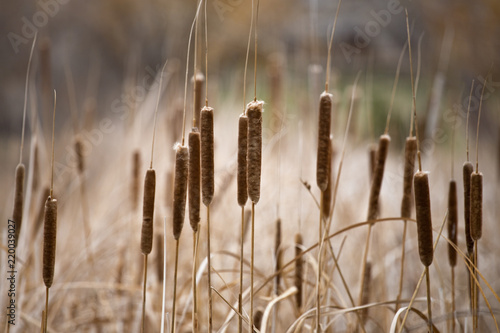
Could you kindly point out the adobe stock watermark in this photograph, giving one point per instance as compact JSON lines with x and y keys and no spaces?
{"x":225,"y":6}
{"x":47,"y":9}
{"x":364,"y":36}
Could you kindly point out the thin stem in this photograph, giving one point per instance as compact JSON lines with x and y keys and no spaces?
{"x":26,"y":98}
{"x":475,"y":299}
{"x":246,"y":61}
{"x":195,"y":60}
{"x":453,"y":298}
{"x":209,"y":275}
{"x":255,"y":53}
{"x":252,"y":251}
{"x":46,"y":309}
{"x":414,"y":95}
{"x":52,"y":159}
{"x":206,"y":56}
{"x":195,"y":293}
{"x":164,"y":298}
{"x":145,"y":277}
{"x":156,"y":113}
{"x":395,"y":85}
{"x":320,"y":250}
{"x":403,"y":246}
{"x":365,"y":259}
{"x":172,"y":330}
{"x":240,"y":294}
{"x":467,"y":122}
{"x":477,"y":131}
{"x":429,"y":308}
{"x":329,"y":57}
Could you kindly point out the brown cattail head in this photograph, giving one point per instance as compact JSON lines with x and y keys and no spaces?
{"x":324,"y":121}
{"x":409,"y":167}
{"x":452,"y":222}
{"x":476,"y":205}
{"x":148,"y":211}
{"x":17,"y":214}
{"x":194,"y":179}
{"x":378,"y":175}
{"x":277,"y":252}
{"x":299,"y":275}
{"x":254,"y":157}
{"x":159,"y":257}
{"x":79,"y":155}
{"x":242,"y":160}
{"x":424,"y":220}
{"x":49,"y":241}
{"x":468,"y":168}
{"x":136,"y":162}
{"x":207,"y":155}
{"x":180,"y":188}
{"x":328,"y":193}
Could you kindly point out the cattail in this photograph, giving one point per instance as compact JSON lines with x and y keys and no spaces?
{"x":277,"y":252}
{"x":410,"y":152}
{"x":468,"y":168}
{"x":254,"y":113}
{"x":476,"y":205}
{"x":198,"y":80}
{"x":41,"y":211}
{"x":452,"y":222}
{"x":242,"y":160}
{"x":299,"y":275}
{"x":325,"y":114}
{"x":367,"y":282}
{"x":378,"y":175}
{"x":148,"y":212}
{"x":17,"y":214}
{"x":180,"y":188}
{"x":207,"y":155}
{"x":79,"y":155}
{"x":194,"y":179}
{"x":159,"y":257}
{"x":49,"y":241}
{"x":327,"y":194}
{"x":424,"y":221}
{"x":136,"y":162}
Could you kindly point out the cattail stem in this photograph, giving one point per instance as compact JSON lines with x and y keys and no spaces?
{"x":196,"y":235}
{"x":240,"y":294}
{"x":252,"y":255}
{"x":429,"y":307}
{"x":453,"y":299}
{"x":46,"y":312}
{"x":172,"y":330}
{"x":145,"y":278}
{"x":209,"y":275}
{"x":318,"y":277}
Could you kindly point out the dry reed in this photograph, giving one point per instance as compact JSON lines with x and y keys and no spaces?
{"x":17,"y":214}
{"x":194,"y":179}
{"x":207,"y":154}
{"x":424,"y":220}
{"x":254,"y":157}
{"x":180,"y":188}
{"x":242,"y":191}
{"x":324,"y":123}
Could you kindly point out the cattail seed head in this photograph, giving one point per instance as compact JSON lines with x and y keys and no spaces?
{"x":476,"y":205}
{"x":468,"y":168}
{"x":324,"y":121}
{"x":242,"y":160}
{"x":424,"y":220}
{"x":207,"y":155}
{"x":194,"y":179}
{"x":159,"y":257}
{"x":136,"y":162}
{"x":378,"y":175}
{"x":17,"y":214}
{"x":299,"y":275}
{"x":148,"y":211}
{"x":254,"y":157}
{"x":452,"y":222}
{"x":328,"y":193}
{"x":180,"y":188}
{"x":409,"y":167}
{"x":49,"y":241}
{"x":79,"y":155}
